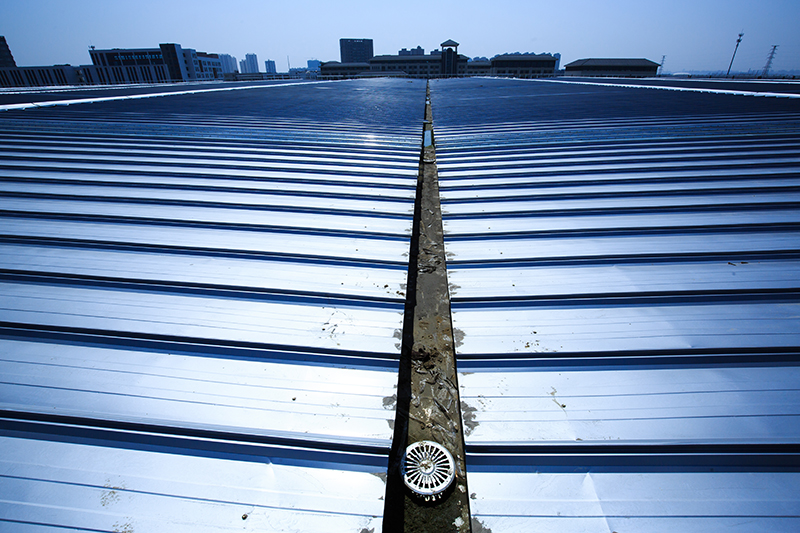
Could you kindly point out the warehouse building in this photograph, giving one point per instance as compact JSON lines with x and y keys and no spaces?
{"x":623,"y":68}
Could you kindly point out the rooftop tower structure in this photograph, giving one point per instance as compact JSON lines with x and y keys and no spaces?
{"x":449,"y":58}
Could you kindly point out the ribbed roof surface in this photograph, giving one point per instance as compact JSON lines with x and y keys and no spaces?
{"x":625,"y":278}
{"x":202,"y":298}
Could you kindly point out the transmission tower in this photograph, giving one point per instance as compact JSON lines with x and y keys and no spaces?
{"x":739,"y":40}
{"x":661,"y":66}
{"x":769,"y":61}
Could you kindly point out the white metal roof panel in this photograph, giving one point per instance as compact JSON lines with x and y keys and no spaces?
{"x":51,"y":485}
{"x":624,"y":281}
{"x":573,"y":503}
{"x":202,"y":296}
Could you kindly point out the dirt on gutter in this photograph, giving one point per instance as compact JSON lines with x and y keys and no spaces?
{"x":428,"y":406}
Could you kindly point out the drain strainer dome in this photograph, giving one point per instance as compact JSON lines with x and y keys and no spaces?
{"x":428,"y":469}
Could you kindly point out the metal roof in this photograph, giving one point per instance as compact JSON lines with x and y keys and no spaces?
{"x":624,"y":277}
{"x":203,"y":294}
{"x":202,"y":297}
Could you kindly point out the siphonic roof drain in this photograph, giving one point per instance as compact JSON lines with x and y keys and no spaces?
{"x":428,"y":470}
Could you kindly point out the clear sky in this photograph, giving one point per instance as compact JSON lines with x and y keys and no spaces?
{"x":693,"y":34}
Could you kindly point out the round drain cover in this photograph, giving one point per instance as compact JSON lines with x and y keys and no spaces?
{"x":428,"y":469}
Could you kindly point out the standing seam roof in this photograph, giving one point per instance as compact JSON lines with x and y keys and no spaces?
{"x":202,"y":296}
{"x":624,"y":279}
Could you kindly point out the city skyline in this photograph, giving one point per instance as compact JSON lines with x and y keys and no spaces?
{"x":694,"y":36}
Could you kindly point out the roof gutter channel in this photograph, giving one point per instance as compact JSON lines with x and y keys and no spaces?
{"x":428,"y":405}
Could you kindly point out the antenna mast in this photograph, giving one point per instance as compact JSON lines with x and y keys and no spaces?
{"x":739,"y":40}
{"x":661,"y":66}
{"x":769,"y":61}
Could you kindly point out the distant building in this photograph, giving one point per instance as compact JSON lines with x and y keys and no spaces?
{"x":168,"y":63}
{"x":229,"y":64}
{"x":135,"y":65}
{"x":303,"y":72}
{"x":314,"y":64}
{"x":418,"y":51}
{"x":619,"y":67}
{"x":41,"y":76}
{"x":269,"y":66}
{"x":249,"y":65}
{"x":344,"y":70}
{"x":450,"y":66}
{"x":6,"y":59}
{"x":210,"y":66}
{"x":355,"y":50}
{"x":411,"y":65}
{"x":445,"y":63}
{"x":479,"y":67}
{"x":524,"y":65}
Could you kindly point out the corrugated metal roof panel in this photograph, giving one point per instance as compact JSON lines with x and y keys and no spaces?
{"x":624,"y":275}
{"x":201,"y":312}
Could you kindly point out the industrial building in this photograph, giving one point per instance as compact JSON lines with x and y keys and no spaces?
{"x":620,"y":67}
{"x":525,"y":65}
{"x":205,"y":302}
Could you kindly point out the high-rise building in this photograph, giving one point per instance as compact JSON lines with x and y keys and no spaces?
{"x":269,"y":65}
{"x":249,"y":65}
{"x":228,"y":63}
{"x":6,"y":59}
{"x":355,"y":50}
{"x":418,"y":51}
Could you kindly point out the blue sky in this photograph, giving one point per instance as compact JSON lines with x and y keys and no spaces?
{"x":693,"y":34}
